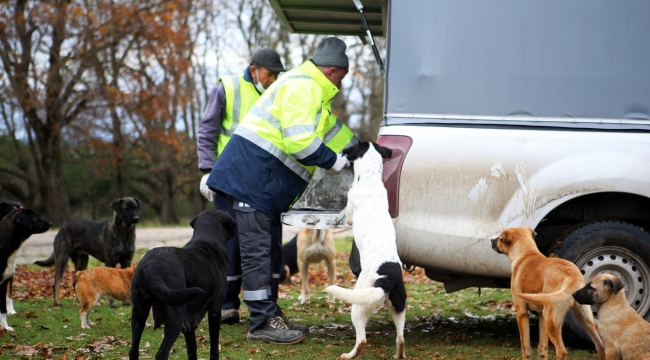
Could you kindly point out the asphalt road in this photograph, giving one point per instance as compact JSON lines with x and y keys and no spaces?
{"x":39,"y":246}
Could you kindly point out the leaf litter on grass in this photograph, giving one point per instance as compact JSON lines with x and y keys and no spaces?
{"x":460,"y":325}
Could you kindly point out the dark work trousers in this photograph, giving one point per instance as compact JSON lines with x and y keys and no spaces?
{"x":260,"y":242}
{"x":223,"y":202}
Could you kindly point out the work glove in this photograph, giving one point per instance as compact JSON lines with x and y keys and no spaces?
{"x":341,"y":162}
{"x":205,"y":190}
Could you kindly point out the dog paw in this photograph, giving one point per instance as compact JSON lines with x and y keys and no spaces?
{"x":8,"y":328}
{"x":303,"y":301}
{"x":11,"y":312}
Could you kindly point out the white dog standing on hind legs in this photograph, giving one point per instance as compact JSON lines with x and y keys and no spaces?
{"x":380,"y":282}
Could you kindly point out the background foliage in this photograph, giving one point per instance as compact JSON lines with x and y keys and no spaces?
{"x":102,"y":98}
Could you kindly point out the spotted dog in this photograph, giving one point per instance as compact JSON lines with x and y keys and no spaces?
{"x":380,"y":281}
{"x":5,"y":208}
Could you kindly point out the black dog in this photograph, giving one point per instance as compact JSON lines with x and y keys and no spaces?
{"x":15,"y":228}
{"x":111,"y":242}
{"x":5,"y":208}
{"x":289,"y":260}
{"x":182,"y":284}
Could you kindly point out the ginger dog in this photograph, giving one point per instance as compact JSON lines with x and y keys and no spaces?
{"x":625,"y":333}
{"x":544,"y":285}
{"x":94,"y":283}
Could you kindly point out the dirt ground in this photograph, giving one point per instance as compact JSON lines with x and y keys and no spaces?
{"x":39,"y":246}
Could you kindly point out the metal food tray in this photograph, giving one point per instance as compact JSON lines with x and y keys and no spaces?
{"x":322,"y":204}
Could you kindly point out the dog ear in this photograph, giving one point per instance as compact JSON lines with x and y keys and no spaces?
{"x":22,"y":217}
{"x":138,"y":203}
{"x":230,"y":224}
{"x":385,"y":152}
{"x":615,"y":283}
{"x":356,"y":151}
{"x":117,"y":206}
{"x":194,"y":221}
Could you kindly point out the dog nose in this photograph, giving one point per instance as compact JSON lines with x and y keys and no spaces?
{"x":136,"y":219}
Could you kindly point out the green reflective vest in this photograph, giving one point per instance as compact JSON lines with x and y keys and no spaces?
{"x":240,"y":97}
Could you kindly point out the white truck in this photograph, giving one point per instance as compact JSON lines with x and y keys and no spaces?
{"x":504,"y":114}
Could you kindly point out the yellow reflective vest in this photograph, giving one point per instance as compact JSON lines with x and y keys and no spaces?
{"x":240,"y":97}
{"x":282,"y":139}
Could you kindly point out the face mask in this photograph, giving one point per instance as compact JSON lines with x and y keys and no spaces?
{"x":258,"y":84}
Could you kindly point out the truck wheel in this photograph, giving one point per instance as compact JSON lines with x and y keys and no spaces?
{"x":613,"y":247}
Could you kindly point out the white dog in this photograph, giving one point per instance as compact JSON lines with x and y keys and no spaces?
{"x":380,"y":282}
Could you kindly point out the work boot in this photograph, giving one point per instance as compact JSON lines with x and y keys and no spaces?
{"x":276,"y":331}
{"x":229,"y":316}
{"x":302,"y":328}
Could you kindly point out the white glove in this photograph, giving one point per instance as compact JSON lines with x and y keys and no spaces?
{"x":205,"y":190}
{"x":341,"y":162}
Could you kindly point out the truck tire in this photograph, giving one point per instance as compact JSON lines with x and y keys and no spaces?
{"x":614,"y":247}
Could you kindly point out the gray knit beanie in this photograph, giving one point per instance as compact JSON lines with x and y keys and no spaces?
{"x":331,"y":52}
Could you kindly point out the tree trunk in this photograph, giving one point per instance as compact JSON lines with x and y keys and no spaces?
{"x":57,"y":206}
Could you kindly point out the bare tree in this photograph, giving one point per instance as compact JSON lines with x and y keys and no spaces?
{"x":51,"y":93}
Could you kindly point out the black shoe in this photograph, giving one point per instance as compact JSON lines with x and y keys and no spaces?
{"x":276,"y":331}
{"x":229,"y":316}
{"x":291,"y":326}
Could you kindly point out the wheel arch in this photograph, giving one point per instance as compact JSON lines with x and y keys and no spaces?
{"x":600,"y":206}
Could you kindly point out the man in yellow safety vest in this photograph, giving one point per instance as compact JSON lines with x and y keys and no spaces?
{"x":268,"y":163}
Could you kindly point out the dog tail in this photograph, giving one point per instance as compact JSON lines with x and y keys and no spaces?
{"x":174,"y":297}
{"x":48,"y":262}
{"x":544,"y":299}
{"x":363,"y":296}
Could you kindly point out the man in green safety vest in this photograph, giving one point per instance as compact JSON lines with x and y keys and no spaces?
{"x":229,"y":101}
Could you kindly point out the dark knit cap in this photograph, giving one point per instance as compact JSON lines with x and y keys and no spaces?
{"x":268,"y":58}
{"x":331,"y":52}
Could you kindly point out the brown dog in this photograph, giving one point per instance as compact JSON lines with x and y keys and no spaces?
{"x":625,"y":333}
{"x":94,"y":283}
{"x":544,"y":285}
{"x":315,"y":246}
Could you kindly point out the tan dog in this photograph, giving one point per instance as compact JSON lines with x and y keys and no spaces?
{"x":94,"y":283}
{"x":544,"y":285}
{"x":315,"y":246}
{"x":625,"y":333}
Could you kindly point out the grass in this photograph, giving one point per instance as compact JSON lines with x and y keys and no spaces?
{"x":461,"y":325}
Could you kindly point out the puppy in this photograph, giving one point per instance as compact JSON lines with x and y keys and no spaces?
{"x":15,"y":228}
{"x":92,"y":284}
{"x":182,"y":284}
{"x":380,"y":281}
{"x":544,"y":285}
{"x":111,"y":241}
{"x":314,"y":246}
{"x":5,"y":208}
{"x":625,"y":333}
